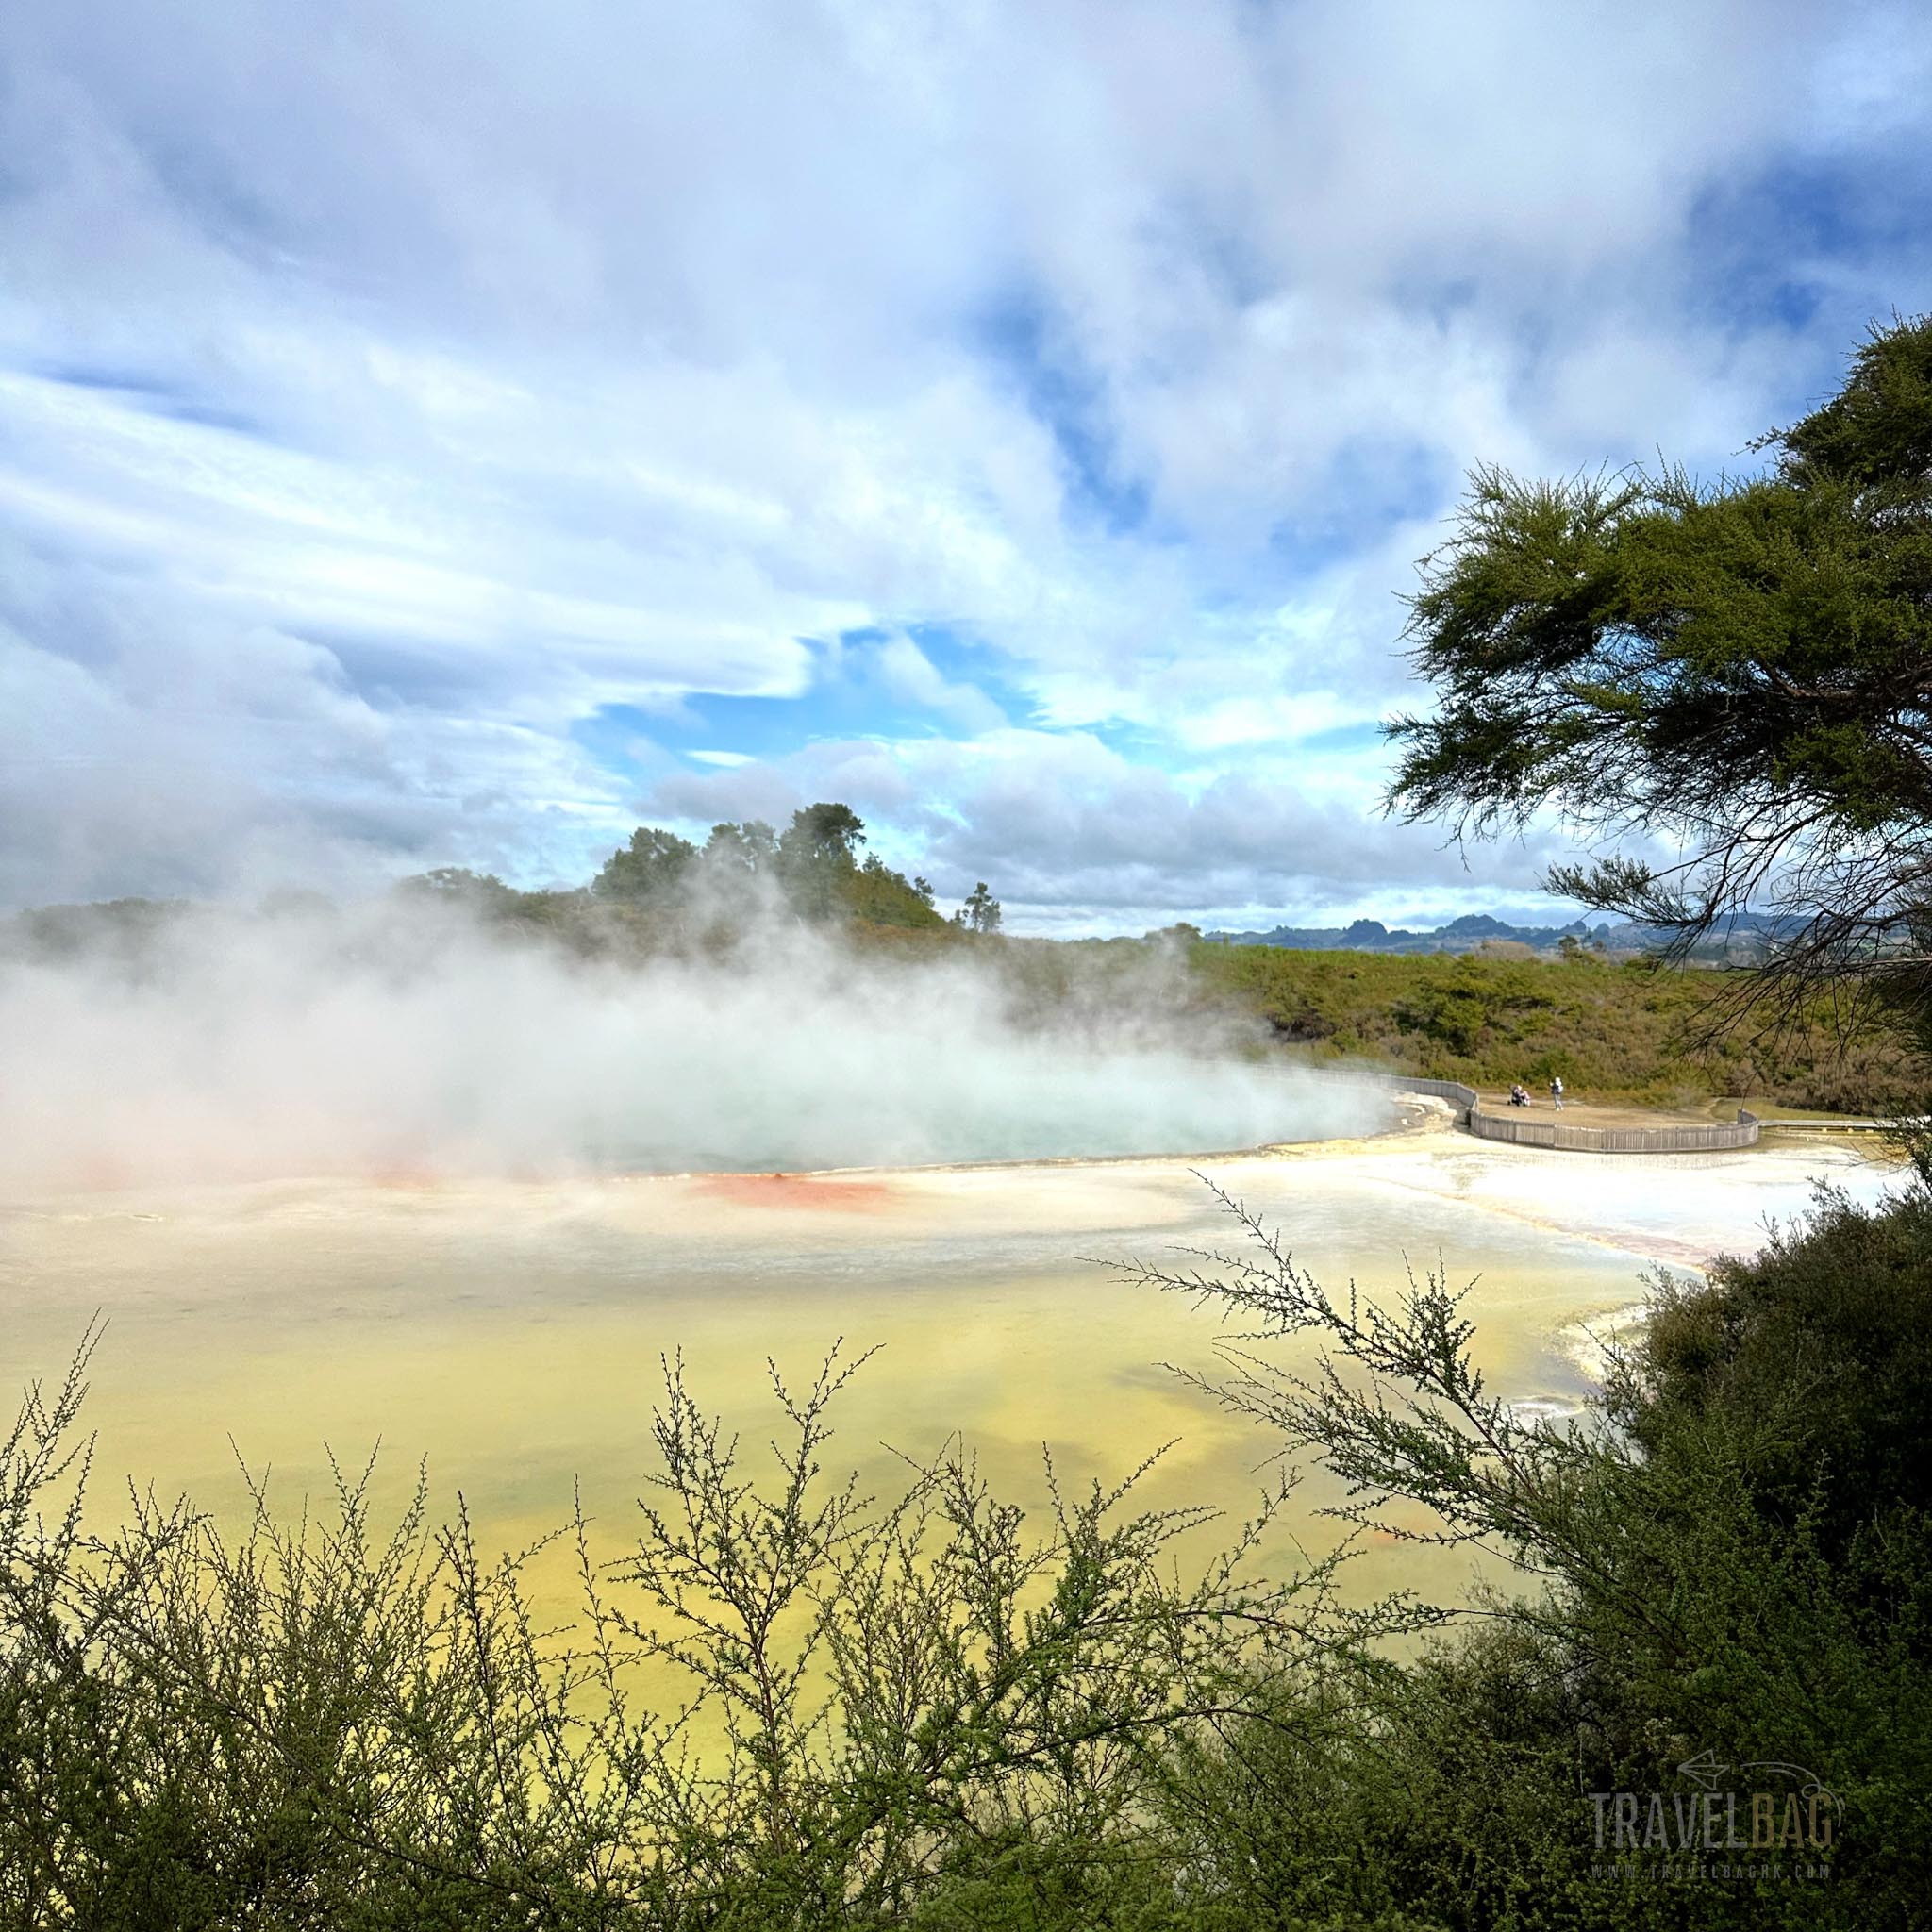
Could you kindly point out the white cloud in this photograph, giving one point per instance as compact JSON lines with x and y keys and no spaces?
{"x":910,"y":674}
{"x":407,"y":391}
{"x":1075,"y":836}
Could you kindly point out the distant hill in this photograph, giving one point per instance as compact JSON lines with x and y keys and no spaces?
{"x":1746,"y":939}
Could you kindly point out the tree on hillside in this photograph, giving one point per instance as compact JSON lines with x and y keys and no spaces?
{"x":981,"y":911}
{"x":816,"y":851}
{"x":1739,"y":671}
{"x":751,"y":848}
{"x":813,"y":865}
{"x":650,"y":867}
{"x":825,"y":831}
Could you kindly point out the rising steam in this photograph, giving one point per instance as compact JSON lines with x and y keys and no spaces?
{"x":400,"y":1038}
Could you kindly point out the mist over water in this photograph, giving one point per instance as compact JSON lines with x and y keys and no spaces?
{"x":403,"y":1039}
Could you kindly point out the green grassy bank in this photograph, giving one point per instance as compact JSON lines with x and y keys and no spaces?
{"x":1627,"y":1031}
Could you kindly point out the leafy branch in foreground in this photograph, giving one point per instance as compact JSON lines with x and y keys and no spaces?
{"x":1729,"y":1551}
{"x":1394,"y":1404}
{"x":909,"y":1686}
{"x":1738,"y":676}
{"x":791,"y":1703}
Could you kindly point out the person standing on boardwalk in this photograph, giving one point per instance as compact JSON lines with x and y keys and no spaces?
{"x":1557,"y":1091}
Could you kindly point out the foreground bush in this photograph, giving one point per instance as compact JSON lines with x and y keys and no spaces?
{"x":883,"y":1703}
{"x":1727,"y":1564}
{"x":931,"y":1712}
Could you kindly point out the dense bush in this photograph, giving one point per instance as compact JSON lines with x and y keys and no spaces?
{"x":1729,"y":1560}
{"x":878,"y":1707}
{"x":929,"y":1713}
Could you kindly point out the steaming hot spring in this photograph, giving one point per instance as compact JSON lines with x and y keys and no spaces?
{"x":324,"y":1188}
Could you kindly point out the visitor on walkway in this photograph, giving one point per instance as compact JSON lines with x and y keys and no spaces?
{"x":1557,"y":1091}
{"x":1519,"y":1093}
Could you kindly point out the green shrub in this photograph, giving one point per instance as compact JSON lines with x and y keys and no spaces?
{"x":928,"y":1711}
{"x":1730,"y":1553}
{"x":926,"y":1700}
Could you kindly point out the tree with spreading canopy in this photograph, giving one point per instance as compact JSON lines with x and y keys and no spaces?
{"x":817,"y":852}
{"x":650,"y":867}
{"x":751,"y":848}
{"x":744,"y":873}
{"x":1738,"y":674}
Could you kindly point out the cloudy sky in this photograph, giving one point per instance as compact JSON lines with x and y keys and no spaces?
{"x":448,"y":434}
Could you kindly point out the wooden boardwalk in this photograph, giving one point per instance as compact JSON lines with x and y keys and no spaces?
{"x":1525,"y":1129}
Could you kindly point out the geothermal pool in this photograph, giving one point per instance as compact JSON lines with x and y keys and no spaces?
{"x":510,"y":1330}
{"x":253,"y":1050}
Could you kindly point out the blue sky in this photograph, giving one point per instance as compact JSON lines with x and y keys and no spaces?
{"x":435,"y":436}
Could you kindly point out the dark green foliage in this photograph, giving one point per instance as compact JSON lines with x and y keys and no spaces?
{"x":816,"y":856}
{"x":1732,"y":1555}
{"x":1878,"y":428}
{"x":652,"y":866}
{"x":751,"y":848}
{"x":878,"y":1706}
{"x":1476,"y":1003}
{"x":823,"y":831}
{"x":744,"y":873}
{"x":660,"y":893}
{"x":981,"y":911}
{"x":934,"y":1715}
{"x":1745,"y":666}
{"x":1826,"y":1339}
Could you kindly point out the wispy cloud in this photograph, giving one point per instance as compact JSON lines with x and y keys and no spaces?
{"x":1026,"y":413}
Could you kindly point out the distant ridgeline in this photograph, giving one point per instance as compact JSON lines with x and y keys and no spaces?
{"x":1745,"y":940}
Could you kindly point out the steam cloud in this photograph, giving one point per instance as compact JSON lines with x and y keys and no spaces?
{"x":403,"y":1039}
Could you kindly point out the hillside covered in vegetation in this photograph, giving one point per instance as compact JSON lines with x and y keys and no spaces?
{"x":659,"y":889}
{"x":658,"y":893}
{"x":1633,"y":1029}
